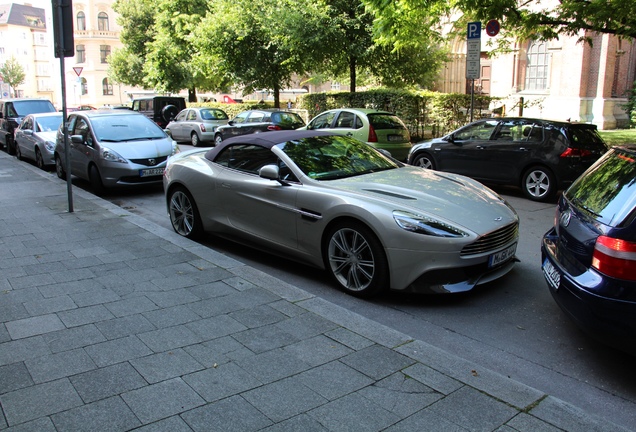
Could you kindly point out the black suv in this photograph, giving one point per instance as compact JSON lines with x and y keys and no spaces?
{"x":589,"y":256}
{"x":255,"y":121}
{"x":160,"y":109}
{"x":540,"y":156}
{"x":11,"y":113}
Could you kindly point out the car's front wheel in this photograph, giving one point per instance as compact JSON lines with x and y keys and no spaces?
{"x":538,"y":184}
{"x":96,"y":181}
{"x":18,"y":153}
{"x":355,"y":259}
{"x":184,"y":214}
{"x":59,"y":168}
{"x":424,"y":160}
{"x":39,"y":160}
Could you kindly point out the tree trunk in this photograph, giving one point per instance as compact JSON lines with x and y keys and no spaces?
{"x":352,"y":74}
{"x":276,"y":95}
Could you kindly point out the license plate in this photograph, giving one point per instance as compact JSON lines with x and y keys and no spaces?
{"x":151,"y":172}
{"x":502,"y":256}
{"x":395,"y":138}
{"x":552,"y":275}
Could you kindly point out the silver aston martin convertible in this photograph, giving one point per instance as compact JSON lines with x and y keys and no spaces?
{"x":337,"y":203}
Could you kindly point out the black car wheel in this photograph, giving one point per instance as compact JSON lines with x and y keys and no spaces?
{"x":184,"y":214}
{"x":424,"y":160}
{"x":218,"y":139}
{"x":538,"y":184}
{"x":59,"y":168}
{"x":18,"y":153}
{"x":10,"y":145}
{"x":355,"y":259}
{"x":39,"y":160}
{"x":194,"y":139}
{"x":96,"y":180}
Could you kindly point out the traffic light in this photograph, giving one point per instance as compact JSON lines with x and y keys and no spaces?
{"x":63,"y":28}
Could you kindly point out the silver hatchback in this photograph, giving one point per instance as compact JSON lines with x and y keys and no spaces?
{"x":112,"y":148}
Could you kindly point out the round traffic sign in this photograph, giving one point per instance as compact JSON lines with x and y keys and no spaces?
{"x":492,"y":27}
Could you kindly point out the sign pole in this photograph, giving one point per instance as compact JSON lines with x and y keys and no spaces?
{"x":473,"y":51}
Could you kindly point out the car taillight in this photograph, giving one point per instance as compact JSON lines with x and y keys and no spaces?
{"x":202,"y":126}
{"x":574,"y":152}
{"x":615,"y":258}
{"x":373,"y":137}
{"x":274,"y":127}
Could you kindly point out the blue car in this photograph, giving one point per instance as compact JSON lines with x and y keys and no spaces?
{"x":589,"y":256}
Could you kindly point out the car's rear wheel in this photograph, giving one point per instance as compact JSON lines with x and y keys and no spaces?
{"x":194,"y":139}
{"x":424,"y":160}
{"x":538,"y":184}
{"x":96,"y":180}
{"x":39,"y":160}
{"x":218,"y":139}
{"x":355,"y":258}
{"x":59,"y":168}
{"x":184,"y":214}
{"x":10,"y":145}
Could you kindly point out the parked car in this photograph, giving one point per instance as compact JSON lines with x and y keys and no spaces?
{"x":539,"y":156}
{"x":11,"y":113}
{"x":337,"y":203}
{"x":255,"y":121}
{"x":379,"y":129}
{"x":159,"y":109}
{"x":589,"y":256}
{"x":35,"y":138}
{"x":112,"y":148}
{"x":197,"y":125}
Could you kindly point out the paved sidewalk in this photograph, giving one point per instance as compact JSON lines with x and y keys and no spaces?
{"x":111,"y":323}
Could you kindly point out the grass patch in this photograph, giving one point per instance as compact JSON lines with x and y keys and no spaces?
{"x":619,"y":136}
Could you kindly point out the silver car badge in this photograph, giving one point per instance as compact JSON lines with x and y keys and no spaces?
{"x":564,"y":220}
{"x":152,"y":162}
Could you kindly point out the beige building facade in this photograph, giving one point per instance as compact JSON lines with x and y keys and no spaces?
{"x":563,"y":79}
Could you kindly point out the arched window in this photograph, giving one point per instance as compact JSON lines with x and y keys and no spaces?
{"x":537,"y":66}
{"x":80,"y":54}
{"x":102,"y":21}
{"x":84,"y":85}
{"x":107,"y":89}
{"x":81,"y":21}
{"x":104,"y":52}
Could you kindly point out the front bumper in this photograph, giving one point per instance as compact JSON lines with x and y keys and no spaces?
{"x":611,"y":321}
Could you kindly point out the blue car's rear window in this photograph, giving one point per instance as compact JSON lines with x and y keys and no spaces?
{"x":608,"y":189}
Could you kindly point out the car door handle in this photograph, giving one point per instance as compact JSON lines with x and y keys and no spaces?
{"x":480,"y":147}
{"x":226,"y":185}
{"x":523,"y":149}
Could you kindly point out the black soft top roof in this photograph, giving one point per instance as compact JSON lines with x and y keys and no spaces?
{"x":265,"y":139}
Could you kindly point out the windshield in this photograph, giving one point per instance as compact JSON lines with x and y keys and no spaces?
{"x":23,"y":108}
{"x":116,"y":128}
{"x":608,"y":189}
{"x":334,"y":156}
{"x":49,"y":124}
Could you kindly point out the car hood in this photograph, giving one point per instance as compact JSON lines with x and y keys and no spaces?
{"x":141,"y":148}
{"x":47,"y":136}
{"x":449,"y":196}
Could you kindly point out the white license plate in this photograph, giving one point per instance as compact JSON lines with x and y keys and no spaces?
{"x":502,"y":256}
{"x":551,"y":274}
{"x":395,"y":138}
{"x":151,"y":172}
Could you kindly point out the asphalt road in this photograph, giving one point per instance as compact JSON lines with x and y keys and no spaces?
{"x":511,"y":326}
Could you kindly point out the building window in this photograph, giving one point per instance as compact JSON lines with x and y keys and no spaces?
{"x":80,"y":54}
{"x":102,"y":21}
{"x":81,"y":21}
{"x":104,"y":52}
{"x":335,"y":86}
{"x":537,"y":66}
{"x":107,"y":89}
{"x":84,"y":86}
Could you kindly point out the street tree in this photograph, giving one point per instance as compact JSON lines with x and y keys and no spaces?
{"x":12,"y":73}
{"x":398,"y":20}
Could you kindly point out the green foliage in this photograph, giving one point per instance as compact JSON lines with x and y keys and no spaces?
{"x":425,"y":113}
{"x":12,"y":73}
{"x":630,"y":106}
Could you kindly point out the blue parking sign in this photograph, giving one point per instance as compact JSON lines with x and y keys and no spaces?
{"x":474,"y":30}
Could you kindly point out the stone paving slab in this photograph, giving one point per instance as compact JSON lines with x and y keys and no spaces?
{"x":111,"y":323}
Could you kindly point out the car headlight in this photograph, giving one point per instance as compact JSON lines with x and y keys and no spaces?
{"x":50,"y":146}
{"x":175,"y":148}
{"x":111,"y":156}
{"x":426,"y":225}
